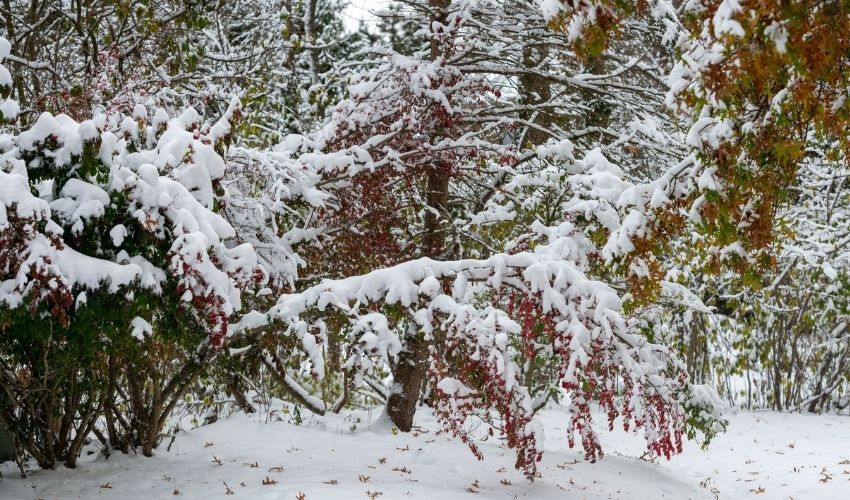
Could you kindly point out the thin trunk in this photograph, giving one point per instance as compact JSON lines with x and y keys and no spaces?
{"x":777,"y":369}
{"x":310,"y":31}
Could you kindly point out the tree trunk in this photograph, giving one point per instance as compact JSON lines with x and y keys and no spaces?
{"x":7,"y":445}
{"x":535,"y":90}
{"x":409,"y":374}
{"x":412,"y":366}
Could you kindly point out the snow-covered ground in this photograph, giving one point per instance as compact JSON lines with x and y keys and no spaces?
{"x":762,"y":456}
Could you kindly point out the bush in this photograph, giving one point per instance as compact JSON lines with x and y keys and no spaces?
{"x":118,"y":275}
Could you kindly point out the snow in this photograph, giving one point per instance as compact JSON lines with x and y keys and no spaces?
{"x":118,"y":233}
{"x":5,"y":77}
{"x":9,"y":108}
{"x":15,"y":192}
{"x":65,"y":131}
{"x":551,"y":8}
{"x":454,"y":387}
{"x":79,"y":202}
{"x":5,"y":48}
{"x":778,"y":34}
{"x":723,"y":22}
{"x":6,"y":105}
{"x":83,"y":270}
{"x":763,"y":456}
{"x":139,"y":327}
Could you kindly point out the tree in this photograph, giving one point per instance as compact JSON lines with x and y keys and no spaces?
{"x":395,"y":158}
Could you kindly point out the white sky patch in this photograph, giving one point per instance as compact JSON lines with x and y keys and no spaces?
{"x":362,"y":11}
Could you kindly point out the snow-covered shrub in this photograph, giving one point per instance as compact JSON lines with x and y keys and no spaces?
{"x":118,"y":275}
